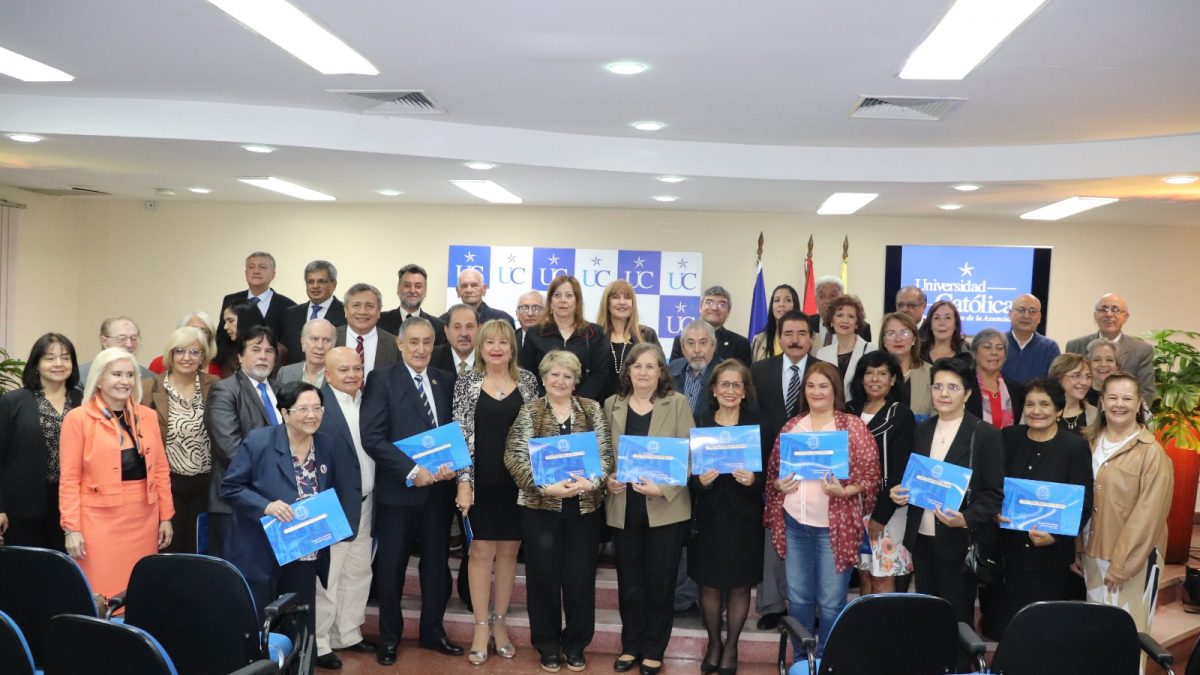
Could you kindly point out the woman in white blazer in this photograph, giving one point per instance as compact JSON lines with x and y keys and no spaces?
{"x":844,"y":317}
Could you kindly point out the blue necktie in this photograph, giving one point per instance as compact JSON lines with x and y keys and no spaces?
{"x":266,"y":401}
{"x":316,"y":308}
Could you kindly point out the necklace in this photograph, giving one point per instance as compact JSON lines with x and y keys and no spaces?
{"x":1072,"y":422}
{"x":497,"y":386}
{"x":618,"y":360}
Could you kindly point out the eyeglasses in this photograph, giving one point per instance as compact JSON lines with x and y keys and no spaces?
{"x":1031,"y":311}
{"x":1110,"y":309}
{"x":909,"y":305}
{"x":716,"y":304}
{"x":306,"y":410}
{"x":1079,"y":377}
{"x":893,"y":334}
{"x":730,"y":386}
{"x":180,"y":352}
{"x":123,"y":338}
{"x":939,"y":388}
{"x":529,"y":309}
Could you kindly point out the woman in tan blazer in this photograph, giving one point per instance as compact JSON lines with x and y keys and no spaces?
{"x":178,"y":396}
{"x":650,"y":520}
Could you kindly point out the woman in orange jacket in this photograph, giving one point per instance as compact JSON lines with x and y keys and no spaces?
{"x":115,"y":485}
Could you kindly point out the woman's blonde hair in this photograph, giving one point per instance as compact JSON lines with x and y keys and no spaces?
{"x":619,"y":288}
{"x":500,"y":330}
{"x":102,"y":362}
{"x":182,"y":337}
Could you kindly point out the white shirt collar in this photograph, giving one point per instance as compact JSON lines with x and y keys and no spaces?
{"x":346,"y":399}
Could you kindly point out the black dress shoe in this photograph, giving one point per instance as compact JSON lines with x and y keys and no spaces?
{"x":649,"y":670}
{"x":386,"y":655}
{"x":363,"y":647}
{"x":550,"y":663}
{"x":624,"y":665}
{"x":442,"y":646}
{"x":576,"y":663}
{"x":769,"y":621}
{"x":329,"y":661}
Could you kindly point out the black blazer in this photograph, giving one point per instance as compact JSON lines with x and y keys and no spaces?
{"x":391,"y":320}
{"x":296,"y":316}
{"x":391,"y":411}
{"x":273,"y":318}
{"x":892,"y":428}
{"x":725,"y":492}
{"x":592,"y":348}
{"x":730,"y":345}
{"x":232,"y":410}
{"x":484,"y":313}
{"x":262,"y":472}
{"x":442,"y":358}
{"x":986,"y":490}
{"x":1016,"y":393}
{"x":1064,"y":459}
{"x":767,"y":376}
{"x":23,"y":454}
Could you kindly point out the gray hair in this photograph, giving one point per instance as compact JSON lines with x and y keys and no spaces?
{"x":321,"y":266}
{"x":701,"y":327}
{"x":262,"y":254}
{"x":563,"y":358}
{"x":1104,"y":342}
{"x":208,"y":322}
{"x":924,"y":299}
{"x":829,"y":279}
{"x":107,"y":323}
{"x":101,"y":364}
{"x":985,"y":335}
{"x":411,"y":322}
{"x":308,"y":325}
{"x":718,"y":291}
{"x":412,"y":268}
{"x":460,"y":307}
{"x":363,"y":288}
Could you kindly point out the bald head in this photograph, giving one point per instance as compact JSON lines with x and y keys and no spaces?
{"x":1025,"y":315}
{"x":471,"y":288}
{"x":344,"y":370}
{"x":1111,"y":312}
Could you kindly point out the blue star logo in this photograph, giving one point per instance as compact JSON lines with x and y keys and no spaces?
{"x":553,"y":260}
{"x":469,"y":256}
{"x":596,"y":261}
{"x":512,"y":259}
{"x":680,"y":308}
{"x":966,"y":270}
{"x":682,"y":263}
{"x":639,"y":261}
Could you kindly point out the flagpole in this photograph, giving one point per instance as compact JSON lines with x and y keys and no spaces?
{"x":846,"y":264}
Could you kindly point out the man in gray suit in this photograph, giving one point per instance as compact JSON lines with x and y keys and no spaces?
{"x":237,"y":405}
{"x":690,"y":373}
{"x":375,"y":347}
{"x":1136,"y":357}
{"x":316,"y":339}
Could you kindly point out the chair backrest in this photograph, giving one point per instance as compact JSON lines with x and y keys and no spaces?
{"x":908,"y":634}
{"x":15,"y":657}
{"x":1193,"y":663}
{"x":98,"y":647}
{"x":1068,"y":637}
{"x":37,"y":584}
{"x":199,"y":608}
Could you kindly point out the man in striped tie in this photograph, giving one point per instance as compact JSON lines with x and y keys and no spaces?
{"x":413,"y":505}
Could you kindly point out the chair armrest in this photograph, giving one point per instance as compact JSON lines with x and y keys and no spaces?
{"x":288,"y":603}
{"x":1156,"y":651}
{"x":973,"y":645}
{"x":262,"y":667}
{"x":790,"y":628}
{"x":112,"y":604}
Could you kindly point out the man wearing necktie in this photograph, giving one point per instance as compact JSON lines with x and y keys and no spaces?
{"x":375,"y":347}
{"x":458,"y":354}
{"x":237,"y":405}
{"x":413,"y":505}
{"x":320,"y":282}
{"x":260,"y":272}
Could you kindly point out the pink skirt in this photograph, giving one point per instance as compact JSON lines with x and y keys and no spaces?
{"x":115,"y":538}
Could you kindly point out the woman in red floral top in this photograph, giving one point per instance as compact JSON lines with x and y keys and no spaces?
{"x":816,"y":525}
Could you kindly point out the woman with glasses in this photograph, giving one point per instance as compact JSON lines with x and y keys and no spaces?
{"x":844,"y":317}
{"x":178,"y":395}
{"x":938,"y":539}
{"x":999,"y":401}
{"x":565,"y":328}
{"x":1104,"y":361}
{"x":204,"y":324}
{"x":899,"y":338}
{"x":766,"y":345}
{"x":618,"y":319}
{"x":941,"y":337}
{"x":1073,"y":373}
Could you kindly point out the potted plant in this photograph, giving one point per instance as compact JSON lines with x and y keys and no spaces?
{"x":1174,"y":417}
{"x":10,"y":372}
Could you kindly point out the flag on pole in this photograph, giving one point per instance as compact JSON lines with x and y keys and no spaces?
{"x":758,"y":302}
{"x":846,"y":265}
{"x":810,"y":292}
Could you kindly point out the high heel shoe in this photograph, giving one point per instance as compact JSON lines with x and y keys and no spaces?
{"x":707,"y":668}
{"x":507,"y":651}
{"x":477,"y":658}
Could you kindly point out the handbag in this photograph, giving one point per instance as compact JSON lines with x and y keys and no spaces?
{"x":985,"y":566}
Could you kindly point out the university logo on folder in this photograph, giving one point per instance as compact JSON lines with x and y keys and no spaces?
{"x":726,"y":449}
{"x":661,"y":459}
{"x":1054,"y":508}
{"x":558,"y":458}
{"x":813,"y":455}
{"x":319,"y":523}
{"x":935,"y":484}
{"x":443,"y":445}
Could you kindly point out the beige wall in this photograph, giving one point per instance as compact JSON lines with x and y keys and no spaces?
{"x":80,"y":261}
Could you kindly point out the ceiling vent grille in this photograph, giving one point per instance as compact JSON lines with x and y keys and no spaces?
{"x":905,"y":107}
{"x":73,"y":191}
{"x":400,"y":102}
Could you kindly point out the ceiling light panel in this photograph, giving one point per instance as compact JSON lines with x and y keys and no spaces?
{"x":845,"y":203}
{"x":488,"y":191}
{"x":626,"y":68}
{"x":480,"y":166}
{"x":670,"y":179}
{"x":296,"y":33}
{"x":25,"y":138}
{"x":283,"y":187}
{"x":648,"y":125}
{"x":26,"y":69}
{"x":1067,"y":207}
{"x":260,"y":149}
{"x":1180,"y":180}
{"x":665,"y":198}
{"x":966,"y":187}
{"x":965,"y":36}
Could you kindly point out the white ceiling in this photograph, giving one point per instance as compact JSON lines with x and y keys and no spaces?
{"x":1092,"y":97}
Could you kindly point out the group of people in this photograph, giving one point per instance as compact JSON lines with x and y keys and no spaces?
{"x":278,"y":401}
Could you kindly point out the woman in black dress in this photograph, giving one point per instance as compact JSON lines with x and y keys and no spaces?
{"x":30,"y":421}
{"x":727,"y":549}
{"x":485,"y":406}
{"x":1037,"y":565}
{"x":565,"y":328}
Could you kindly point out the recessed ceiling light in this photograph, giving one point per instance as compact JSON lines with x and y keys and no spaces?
{"x":283,"y":187}
{"x":845,"y":203}
{"x":28,"y":70}
{"x":487,"y":190}
{"x":260,"y":149}
{"x":949,"y":207}
{"x":966,"y":187}
{"x":165,"y":192}
{"x":25,"y":138}
{"x":390,"y":193}
{"x":480,"y":166}
{"x":626,"y":68}
{"x":670,"y":179}
{"x":1067,"y":207}
{"x":648,"y":125}
{"x":665,"y":198}
{"x":200,"y":190}
{"x":296,"y":33}
{"x":1179,"y":180}
{"x":968,"y":33}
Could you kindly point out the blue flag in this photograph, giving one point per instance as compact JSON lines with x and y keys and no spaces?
{"x":758,"y":305}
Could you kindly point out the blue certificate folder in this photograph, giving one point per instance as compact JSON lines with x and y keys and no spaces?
{"x":557,"y":458}
{"x":933,"y":483}
{"x":319,"y":523}
{"x":1055,"y":508}
{"x":433,"y":448}
{"x":661,"y":459}
{"x":726,"y":449}
{"x":812,"y":455}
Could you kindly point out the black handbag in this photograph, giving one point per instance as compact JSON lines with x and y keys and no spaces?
{"x":980,"y":563}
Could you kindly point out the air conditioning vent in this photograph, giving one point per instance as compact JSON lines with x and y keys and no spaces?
{"x":73,"y":191}
{"x":399,"y":102}
{"x":905,"y":107}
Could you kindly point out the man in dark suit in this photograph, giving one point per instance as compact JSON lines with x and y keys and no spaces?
{"x":912,"y":301}
{"x":414,"y":506}
{"x":320,"y":281}
{"x":260,"y":272}
{"x":411,"y":288}
{"x":1136,"y":357}
{"x":458,"y":354}
{"x":471,"y":290}
{"x":237,"y":405}
{"x":777,"y":382}
{"x":376,"y":348}
{"x":714,"y":308}
{"x":531,"y":307}
{"x":690,"y":373}
{"x":826,"y":290}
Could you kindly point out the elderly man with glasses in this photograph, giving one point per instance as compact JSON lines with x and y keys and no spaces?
{"x":117,"y":331}
{"x":531,"y":307}
{"x":714,"y":309}
{"x":1029,"y":353}
{"x":1136,"y":357}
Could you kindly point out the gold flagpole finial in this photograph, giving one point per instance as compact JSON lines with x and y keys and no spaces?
{"x":810,"y":245}
{"x":758,"y":256}
{"x":846,"y":247}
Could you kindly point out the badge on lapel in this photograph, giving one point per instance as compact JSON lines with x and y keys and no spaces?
{"x":324,"y":469}
{"x":433,"y":382}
